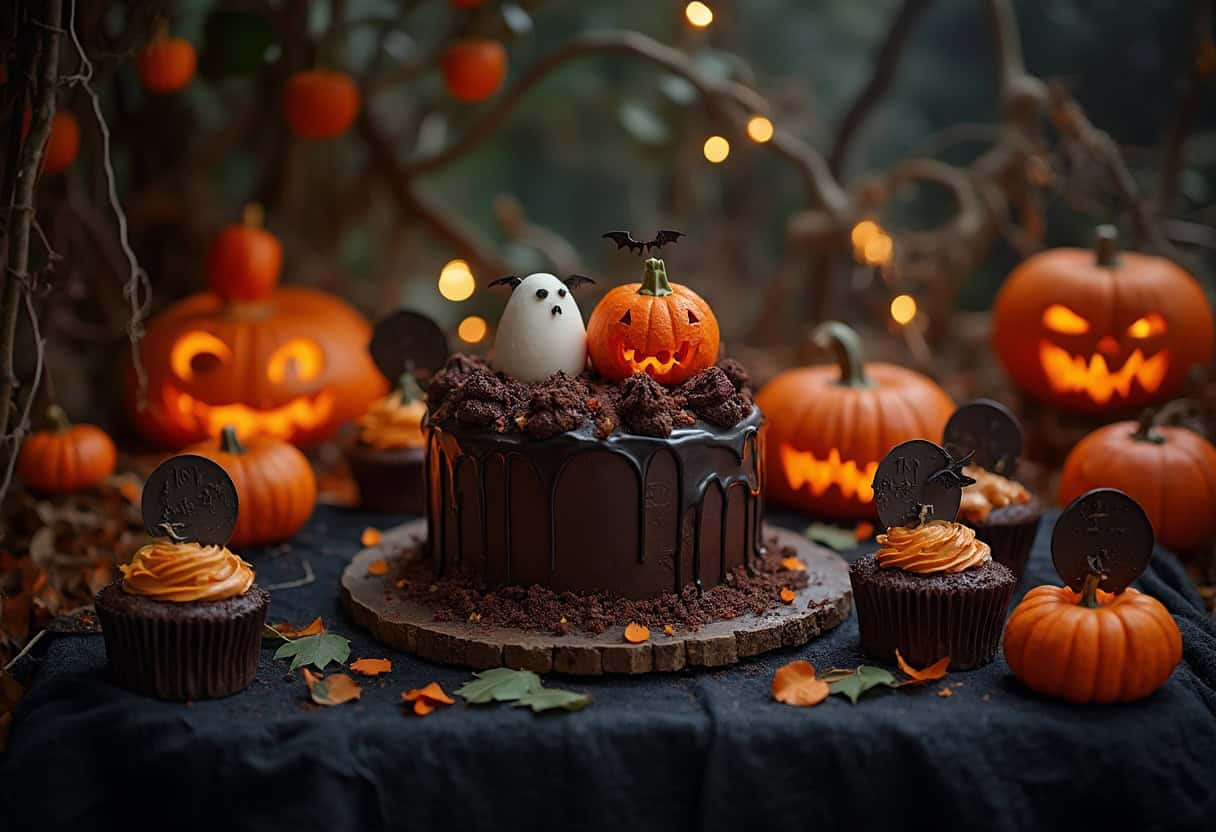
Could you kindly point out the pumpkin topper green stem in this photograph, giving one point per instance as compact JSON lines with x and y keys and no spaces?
{"x":230,"y":443}
{"x":1106,"y":246}
{"x":58,"y":418}
{"x":1089,"y":591}
{"x":1144,"y":428}
{"x":846,"y":344}
{"x":654,"y":278}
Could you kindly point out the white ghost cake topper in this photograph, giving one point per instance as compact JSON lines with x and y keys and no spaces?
{"x":541,"y":330}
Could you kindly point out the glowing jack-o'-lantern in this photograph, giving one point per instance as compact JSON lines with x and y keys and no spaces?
{"x":1101,"y":331}
{"x":656,"y":327}
{"x":291,"y":363}
{"x":829,"y":425}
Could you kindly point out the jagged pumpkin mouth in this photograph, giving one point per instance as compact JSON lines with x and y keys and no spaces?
{"x":1068,"y":373}
{"x":659,"y":364}
{"x":282,"y":422}
{"x":854,"y":479}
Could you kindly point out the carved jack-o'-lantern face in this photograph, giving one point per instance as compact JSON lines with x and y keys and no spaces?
{"x":655,"y":327}
{"x":293,"y":366}
{"x":1101,"y":333}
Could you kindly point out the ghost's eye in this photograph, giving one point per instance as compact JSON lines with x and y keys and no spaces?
{"x":542,"y":293}
{"x":561,"y":293}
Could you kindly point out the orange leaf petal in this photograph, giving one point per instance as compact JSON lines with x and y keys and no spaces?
{"x":636,"y":633}
{"x":793,"y":564}
{"x":370,"y":537}
{"x":863,"y":530}
{"x":934,"y":671}
{"x":432,"y":692}
{"x":312,"y":629}
{"x":377,"y":567}
{"x":668,"y":630}
{"x":422,"y":707}
{"x":795,"y":684}
{"x":945,"y":693}
{"x":334,"y":689}
{"x":372,"y":667}
{"x":788,"y":595}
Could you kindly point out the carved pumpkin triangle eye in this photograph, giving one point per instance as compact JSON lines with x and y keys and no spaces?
{"x":626,"y":319}
{"x":1059,"y":318}
{"x":692,"y":317}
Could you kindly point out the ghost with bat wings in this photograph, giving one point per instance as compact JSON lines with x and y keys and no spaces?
{"x":541,"y":330}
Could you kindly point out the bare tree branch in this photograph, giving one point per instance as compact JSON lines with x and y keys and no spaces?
{"x":1198,"y":74}
{"x":885,"y":64}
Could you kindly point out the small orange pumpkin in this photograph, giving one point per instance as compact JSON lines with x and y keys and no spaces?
{"x":274,"y":481}
{"x":166,"y":64}
{"x":320,"y":103}
{"x":656,"y":327}
{"x":830,"y":425}
{"x":1170,"y":471}
{"x":65,"y":458}
{"x":62,"y":145}
{"x":1100,"y":331}
{"x":474,"y":68}
{"x":244,"y":260}
{"x":1092,"y":646}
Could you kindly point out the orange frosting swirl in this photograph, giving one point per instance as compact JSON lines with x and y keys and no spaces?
{"x":931,"y":547}
{"x":392,"y":423}
{"x":990,"y":491}
{"x":169,"y":571}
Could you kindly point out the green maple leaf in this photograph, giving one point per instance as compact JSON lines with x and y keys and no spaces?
{"x":842,"y":540}
{"x":863,"y":680}
{"x":548,"y":699}
{"x":501,"y":684}
{"x":318,"y":650}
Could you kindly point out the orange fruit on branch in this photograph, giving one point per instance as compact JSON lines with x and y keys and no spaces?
{"x":320,"y":103}
{"x":474,"y":68}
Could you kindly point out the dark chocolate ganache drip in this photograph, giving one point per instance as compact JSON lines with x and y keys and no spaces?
{"x":626,"y":513}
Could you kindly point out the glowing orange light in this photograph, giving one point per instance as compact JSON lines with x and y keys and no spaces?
{"x":456,"y":281}
{"x":759,"y":129}
{"x":1069,"y":373}
{"x":1060,"y":318}
{"x":863,"y":232}
{"x":855,"y":480}
{"x":305,"y":356}
{"x":699,"y":14}
{"x":877,"y":250}
{"x":472,"y":329}
{"x":1151,"y":324}
{"x":903,"y":309}
{"x":192,"y":345}
{"x":716,"y":149}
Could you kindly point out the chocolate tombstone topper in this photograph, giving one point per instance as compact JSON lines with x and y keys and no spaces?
{"x":190,"y":497}
{"x":1102,"y":532}
{"x":988,"y":429}
{"x":408,"y":339}
{"x":918,"y":481}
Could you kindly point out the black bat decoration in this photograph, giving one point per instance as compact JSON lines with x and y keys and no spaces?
{"x":952,"y":475}
{"x":662,"y":238}
{"x":510,"y":280}
{"x":576,"y":280}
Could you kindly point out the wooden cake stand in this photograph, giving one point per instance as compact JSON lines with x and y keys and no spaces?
{"x":409,"y":626}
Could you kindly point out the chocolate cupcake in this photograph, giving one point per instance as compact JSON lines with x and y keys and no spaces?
{"x":1002,"y":512}
{"x":184,"y":622}
{"x":929,"y":592}
{"x":388,"y":457}
{"x":932,"y":589}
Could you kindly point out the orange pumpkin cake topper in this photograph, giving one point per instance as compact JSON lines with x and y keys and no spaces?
{"x":1096,"y":640}
{"x":656,"y":327}
{"x":1101,"y":330}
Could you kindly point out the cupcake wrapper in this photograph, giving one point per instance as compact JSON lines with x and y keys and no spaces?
{"x":1010,"y":542}
{"x":394,"y":487}
{"x":183,"y":659}
{"x":928,"y":625}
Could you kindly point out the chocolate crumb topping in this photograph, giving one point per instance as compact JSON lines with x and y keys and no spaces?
{"x":468,"y":392}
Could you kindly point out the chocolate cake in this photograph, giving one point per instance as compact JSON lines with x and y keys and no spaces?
{"x":583,"y":485}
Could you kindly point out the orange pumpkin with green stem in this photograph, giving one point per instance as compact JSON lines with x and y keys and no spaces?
{"x":166,"y":64}
{"x":66,"y":457}
{"x":830,"y":425}
{"x":274,"y":481}
{"x":1101,"y":331}
{"x":656,"y":327}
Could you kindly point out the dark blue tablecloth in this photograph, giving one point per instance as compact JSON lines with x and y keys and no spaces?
{"x":707,"y":750}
